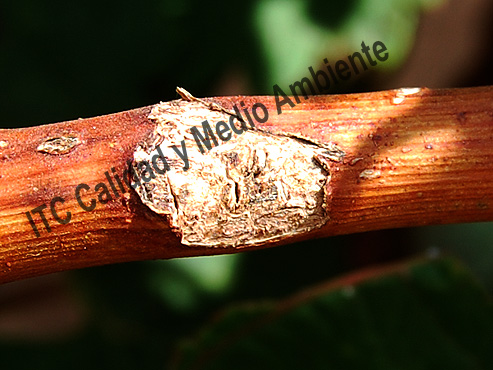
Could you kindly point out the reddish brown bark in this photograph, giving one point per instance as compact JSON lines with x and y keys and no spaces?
{"x":417,"y":159}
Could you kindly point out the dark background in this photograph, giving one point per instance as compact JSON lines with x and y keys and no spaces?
{"x":64,"y":60}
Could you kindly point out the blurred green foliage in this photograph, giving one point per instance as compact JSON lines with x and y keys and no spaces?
{"x":61,"y":60}
{"x":296,"y":34}
{"x":428,"y":315}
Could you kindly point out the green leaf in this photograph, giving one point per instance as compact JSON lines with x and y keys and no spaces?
{"x":297,"y":34}
{"x":182,"y":283}
{"x":418,"y":315}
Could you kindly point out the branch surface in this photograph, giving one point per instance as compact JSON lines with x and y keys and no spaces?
{"x":413,"y":157}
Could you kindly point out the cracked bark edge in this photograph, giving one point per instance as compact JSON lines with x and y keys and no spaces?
{"x":253,"y":188}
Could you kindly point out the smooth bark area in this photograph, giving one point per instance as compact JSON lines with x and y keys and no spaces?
{"x":412,"y":158}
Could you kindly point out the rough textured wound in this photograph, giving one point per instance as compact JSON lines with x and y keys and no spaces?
{"x":252,"y":188}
